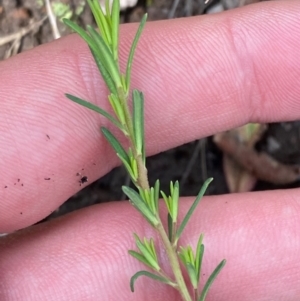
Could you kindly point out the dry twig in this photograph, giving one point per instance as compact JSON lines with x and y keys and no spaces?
{"x":261,"y":165}
{"x":22,"y":32}
{"x":52,"y":20}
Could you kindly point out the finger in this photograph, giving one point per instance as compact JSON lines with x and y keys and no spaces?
{"x":83,"y":256}
{"x":199,"y":75}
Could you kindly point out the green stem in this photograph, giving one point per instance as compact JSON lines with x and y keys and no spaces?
{"x":143,"y":183}
{"x":173,"y":258}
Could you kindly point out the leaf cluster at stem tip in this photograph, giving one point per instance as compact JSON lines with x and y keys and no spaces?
{"x":104,"y":48}
{"x":103,"y":44}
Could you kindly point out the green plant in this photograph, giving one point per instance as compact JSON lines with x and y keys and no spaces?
{"x":104,"y":48}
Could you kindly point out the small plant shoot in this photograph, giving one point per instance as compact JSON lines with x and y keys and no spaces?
{"x":128,"y":117}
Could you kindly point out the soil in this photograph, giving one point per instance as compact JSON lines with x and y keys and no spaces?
{"x":191,"y":163}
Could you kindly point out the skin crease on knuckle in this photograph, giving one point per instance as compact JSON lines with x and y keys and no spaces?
{"x":44,"y":261}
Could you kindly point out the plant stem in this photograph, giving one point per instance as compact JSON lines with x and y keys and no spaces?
{"x":197,"y":294}
{"x":182,"y":288}
{"x":143,"y":182}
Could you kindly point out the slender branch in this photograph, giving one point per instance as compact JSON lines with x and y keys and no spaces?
{"x":52,"y":20}
{"x":22,"y":32}
{"x":182,"y":288}
{"x":143,"y":182}
{"x":132,"y":126}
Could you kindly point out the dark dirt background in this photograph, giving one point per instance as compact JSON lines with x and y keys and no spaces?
{"x":191,"y":163}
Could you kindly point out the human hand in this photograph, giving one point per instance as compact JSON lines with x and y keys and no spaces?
{"x":200,"y":76}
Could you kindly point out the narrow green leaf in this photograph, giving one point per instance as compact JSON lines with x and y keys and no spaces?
{"x":100,"y":20}
{"x":211,"y":279}
{"x":138,"y":121}
{"x":128,"y":168}
{"x":193,"y":207}
{"x":156,"y":194}
{"x":147,"y":244}
{"x":132,"y":50}
{"x":113,"y":141}
{"x":150,"y":275}
{"x":153,"y":250}
{"x":183,"y":255}
{"x":81,"y":32}
{"x":117,"y":107}
{"x":140,"y":258}
{"x":171,"y":187}
{"x":199,"y":256}
{"x":146,"y":251}
{"x":96,"y":109}
{"x":175,"y":201}
{"x":189,"y":255}
{"x":107,"y":15}
{"x":170,"y":228}
{"x":192,"y":274}
{"x":107,"y":7}
{"x":134,"y":167}
{"x":115,"y":18}
{"x":167,"y":201}
{"x":105,"y":56}
{"x":95,"y":52}
{"x":143,"y":193}
{"x":148,"y":197}
{"x":140,"y":205}
{"x":105,"y":75}
{"x":152,"y":200}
